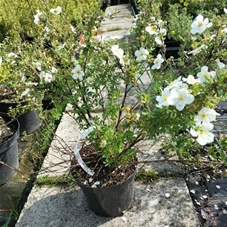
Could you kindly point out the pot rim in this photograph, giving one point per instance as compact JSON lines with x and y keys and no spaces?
{"x":110,"y":186}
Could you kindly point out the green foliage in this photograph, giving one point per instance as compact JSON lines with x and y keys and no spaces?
{"x":179,"y":22}
{"x":195,"y":7}
{"x":65,"y":61}
{"x":43,"y":137}
{"x":16,"y":17}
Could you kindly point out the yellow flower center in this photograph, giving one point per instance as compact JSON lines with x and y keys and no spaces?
{"x":206,"y":74}
{"x":154,"y":28}
{"x":180,"y":98}
{"x":165,"y":98}
{"x":201,"y":132}
{"x":200,"y":24}
{"x":203,"y":115}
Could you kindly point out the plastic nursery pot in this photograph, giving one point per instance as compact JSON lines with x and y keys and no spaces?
{"x":172,"y":48}
{"x":29,"y":122}
{"x":110,"y":201}
{"x":9,"y":152}
{"x":135,"y":7}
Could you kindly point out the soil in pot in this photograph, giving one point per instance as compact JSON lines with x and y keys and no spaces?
{"x":9,"y":133}
{"x":110,"y":191}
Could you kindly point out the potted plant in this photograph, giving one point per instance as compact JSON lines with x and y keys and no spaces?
{"x":9,"y":133}
{"x":121,"y":94}
{"x":19,"y":96}
{"x":180,"y":95}
{"x":38,"y":64}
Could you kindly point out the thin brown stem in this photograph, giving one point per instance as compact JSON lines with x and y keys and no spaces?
{"x":10,"y":167}
{"x":121,"y":108}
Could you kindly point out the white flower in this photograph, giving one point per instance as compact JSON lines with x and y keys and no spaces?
{"x":198,"y":50}
{"x":12,"y":55}
{"x":23,"y":77}
{"x":206,"y":115}
{"x":47,"y":77}
{"x":118,"y":52}
{"x":176,"y":84}
{"x":24,"y":93}
{"x":77,"y":73}
{"x":159,"y":40}
{"x":224,"y":30}
{"x":38,"y":65}
{"x":220,"y":64}
{"x":141,"y":54}
{"x":56,"y":11}
{"x":191,"y":80}
{"x":157,"y":30}
{"x":199,"y":25}
{"x":225,"y":10}
{"x":181,"y":97}
{"x":203,"y":133}
{"x":204,"y":75}
{"x":73,"y":29}
{"x":163,"y":31}
{"x":157,"y":62}
{"x":46,"y":30}
{"x":152,"y":29}
{"x":69,"y":107}
{"x":165,"y":99}
{"x":53,"y":69}
{"x":36,"y":16}
{"x":62,"y":46}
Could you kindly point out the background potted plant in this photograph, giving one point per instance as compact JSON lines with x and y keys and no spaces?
{"x":20,"y":97}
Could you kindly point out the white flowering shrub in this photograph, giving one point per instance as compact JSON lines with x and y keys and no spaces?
{"x":178,"y":96}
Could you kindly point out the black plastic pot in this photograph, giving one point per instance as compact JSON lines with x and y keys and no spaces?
{"x":29,"y":122}
{"x":172,"y":48}
{"x":110,"y":201}
{"x":135,"y":7}
{"x":9,"y":152}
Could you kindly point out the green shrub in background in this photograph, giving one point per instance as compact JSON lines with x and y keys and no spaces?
{"x":195,"y":7}
{"x":17,"y":16}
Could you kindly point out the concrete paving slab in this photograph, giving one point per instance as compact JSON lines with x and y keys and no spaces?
{"x":116,"y":23}
{"x":57,"y":160}
{"x":162,"y":203}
